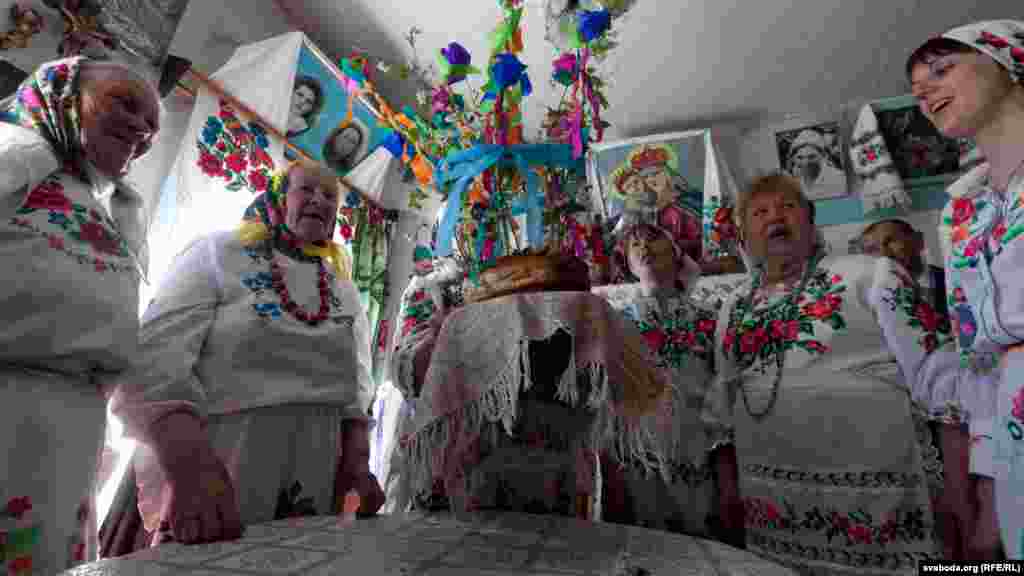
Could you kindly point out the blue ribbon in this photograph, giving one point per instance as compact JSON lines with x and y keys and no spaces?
{"x":460,"y":168}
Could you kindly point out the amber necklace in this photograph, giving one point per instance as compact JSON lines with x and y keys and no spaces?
{"x":792,"y":310}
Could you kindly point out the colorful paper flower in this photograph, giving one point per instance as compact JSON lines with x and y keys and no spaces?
{"x":508,"y":71}
{"x":565,"y":69}
{"x":454,"y":63}
{"x":592,"y":24}
{"x":394,"y":143}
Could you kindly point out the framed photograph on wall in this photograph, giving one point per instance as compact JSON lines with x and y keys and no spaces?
{"x":922,"y":155}
{"x":813,"y":154}
{"x":661,"y":174}
{"x":321,"y":122}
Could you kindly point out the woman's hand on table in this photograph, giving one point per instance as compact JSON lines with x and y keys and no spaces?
{"x":199,"y":503}
{"x":354,"y":469}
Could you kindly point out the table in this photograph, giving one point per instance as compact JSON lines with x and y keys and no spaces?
{"x":480,"y":544}
{"x":480,"y":365}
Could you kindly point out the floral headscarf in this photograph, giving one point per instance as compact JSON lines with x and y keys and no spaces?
{"x":687,"y":270}
{"x":48,"y":102}
{"x":1002,"y":40}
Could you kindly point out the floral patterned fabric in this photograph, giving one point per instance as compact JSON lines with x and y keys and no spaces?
{"x":827,"y":488}
{"x":682,"y":337}
{"x":981,"y":230}
{"x":69,"y":301}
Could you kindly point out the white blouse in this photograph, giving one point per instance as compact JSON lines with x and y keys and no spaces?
{"x":217,"y":340}
{"x":69,"y":294}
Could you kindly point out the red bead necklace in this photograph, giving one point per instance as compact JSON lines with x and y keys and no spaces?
{"x":290,"y":306}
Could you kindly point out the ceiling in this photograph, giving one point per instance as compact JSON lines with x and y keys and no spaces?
{"x":681,"y":63}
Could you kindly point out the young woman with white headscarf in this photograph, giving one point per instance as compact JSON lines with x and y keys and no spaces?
{"x":970,"y":84}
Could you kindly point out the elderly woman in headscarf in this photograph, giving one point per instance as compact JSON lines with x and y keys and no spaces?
{"x":828,"y":371}
{"x":970,"y":84}
{"x":680,"y":335}
{"x":251,"y":389}
{"x":70,"y":241}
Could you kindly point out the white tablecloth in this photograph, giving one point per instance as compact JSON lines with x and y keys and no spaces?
{"x":482,"y":544}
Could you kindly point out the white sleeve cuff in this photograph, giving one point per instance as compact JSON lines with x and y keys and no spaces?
{"x":981,"y":447}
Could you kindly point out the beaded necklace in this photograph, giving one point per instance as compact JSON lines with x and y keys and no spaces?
{"x":286,"y":241}
{"x":743,"y":307}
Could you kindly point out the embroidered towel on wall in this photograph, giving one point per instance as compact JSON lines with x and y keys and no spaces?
{"x":226,"y":158}
{"x":720,"y":193}
{"x":881,"y":185}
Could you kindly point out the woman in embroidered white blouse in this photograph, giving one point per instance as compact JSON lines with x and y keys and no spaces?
{"x":970,"y":84}
{"x":70,"y":245}
{"x":680,"y":334}
{"x":827,"y":372}
{"x":253,"y":376}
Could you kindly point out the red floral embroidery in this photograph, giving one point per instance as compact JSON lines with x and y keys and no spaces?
{"x":993,"y":40}
{"x":100,"y":265}
{"x":258,"y":180}
{"x":17,"y":507}
{"x":236,"y":162}
{"x":100,"y":238}
{"x":927,"y":316}
{"x":655,"y":339}
{"x":210,"y":164}
{"x":999,"y":231}
{"x":49,"y":196}
{"x":1018,"y":405}
{"x":56,"y":242}
{"x":785,"y":330}
{"x":963,"y":211}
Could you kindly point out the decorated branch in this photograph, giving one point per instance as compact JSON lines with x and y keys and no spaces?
{"x":465,"y":139}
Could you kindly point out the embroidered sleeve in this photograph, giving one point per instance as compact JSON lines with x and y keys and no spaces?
{"x":920,"y":339}
{"x":412,"y":333}
{"x":162,"y":377}
{"x":716,"y":410}
{"x":364,"y":359}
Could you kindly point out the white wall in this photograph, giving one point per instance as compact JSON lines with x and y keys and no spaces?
{"x":210,"y":30}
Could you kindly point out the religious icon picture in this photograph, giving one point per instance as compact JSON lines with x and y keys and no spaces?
{"x":325,"y":121}
{"x":813,"y":155}
{"x":660,"y":176}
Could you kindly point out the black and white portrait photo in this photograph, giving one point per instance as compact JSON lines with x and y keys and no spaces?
{"x":346,"y":146}
{"x":307,"y":102}
{"x":813,"y":155}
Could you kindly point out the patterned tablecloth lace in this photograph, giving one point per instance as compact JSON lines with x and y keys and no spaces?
{"x":480,"y":365}
{"x":486,"y":544}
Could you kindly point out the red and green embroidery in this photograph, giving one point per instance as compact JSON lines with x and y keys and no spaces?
{"x":850,"y":528}
{"x":235,"y":152}
{"x":906,"y":298}
{"x":80,"y":226}
{"x":677,"y":336}
{"x":762,"y":333}
{"x":418,"y":311}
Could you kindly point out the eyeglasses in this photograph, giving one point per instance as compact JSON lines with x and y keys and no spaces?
{"x":938,"y":67}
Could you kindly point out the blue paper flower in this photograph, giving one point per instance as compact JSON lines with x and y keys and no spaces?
{"x":394,"y":143}
{"x":592,"y":24}
{"x":507,"y":70}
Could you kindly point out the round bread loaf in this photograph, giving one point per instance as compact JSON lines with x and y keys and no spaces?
{"x":522,"y":273}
